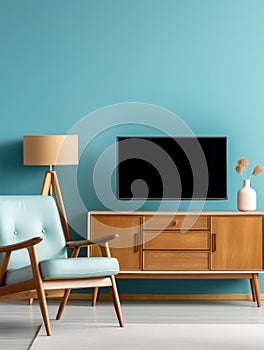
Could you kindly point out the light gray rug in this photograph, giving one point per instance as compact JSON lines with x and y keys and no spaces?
{"x":73,"y":336}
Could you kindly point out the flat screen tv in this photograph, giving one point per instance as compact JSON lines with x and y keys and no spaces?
{"x":163,"y":167}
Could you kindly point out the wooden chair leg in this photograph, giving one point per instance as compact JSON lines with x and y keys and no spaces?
{"x":30,"y":301}
{"x":255,"y":280}
{"x":39,"y":288}
{"x":63,"y":303}
{"x":44,"y":309}
{"x":252,"y":290}
{"x":95,"y":295}
{"x":116,"y":301}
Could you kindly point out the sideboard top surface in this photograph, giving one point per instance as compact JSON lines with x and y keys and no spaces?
{"x":215,"y":213}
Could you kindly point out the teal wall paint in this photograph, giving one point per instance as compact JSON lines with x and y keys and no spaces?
{"x":63,"y":59}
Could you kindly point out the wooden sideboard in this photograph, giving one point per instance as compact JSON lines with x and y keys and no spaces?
{"x":184,"y":245}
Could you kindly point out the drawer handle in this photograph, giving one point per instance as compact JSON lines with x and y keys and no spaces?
{"x":214,"y":242}
{"x":175,"y":223}
{"x":135,"y":243}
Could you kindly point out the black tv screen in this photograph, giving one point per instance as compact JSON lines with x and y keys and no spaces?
{"x":163,"y":167}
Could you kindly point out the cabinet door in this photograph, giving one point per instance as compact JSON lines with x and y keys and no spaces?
{"x":126,"y":248}
{"x":237,"y":243}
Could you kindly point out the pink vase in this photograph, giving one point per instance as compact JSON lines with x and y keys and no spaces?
{"x":246,"y":198}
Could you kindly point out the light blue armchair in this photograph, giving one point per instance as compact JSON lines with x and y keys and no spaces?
{"x":33,"y":254}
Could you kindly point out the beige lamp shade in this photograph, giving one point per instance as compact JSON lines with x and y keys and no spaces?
{"x":51,"y":150}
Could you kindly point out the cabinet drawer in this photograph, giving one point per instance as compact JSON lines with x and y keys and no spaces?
{"x":170,"y":222}
{"x":176,"y":240}
{"x":175,"y":260}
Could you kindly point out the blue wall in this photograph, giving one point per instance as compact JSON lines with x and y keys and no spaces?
{"x":61,"y":60}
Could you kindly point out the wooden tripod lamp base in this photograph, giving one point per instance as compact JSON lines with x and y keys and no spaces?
{"x":50,"y":186}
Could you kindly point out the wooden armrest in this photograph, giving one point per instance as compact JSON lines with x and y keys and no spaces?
{"x":99,"y":240}
{"x":24,"y":244}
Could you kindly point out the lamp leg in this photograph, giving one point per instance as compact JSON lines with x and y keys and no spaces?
{"x":59,"y":201}
{"x":47,"y":184}
{"x":51,"y":184}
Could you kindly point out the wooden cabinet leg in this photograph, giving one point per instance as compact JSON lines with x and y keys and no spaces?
{"x":256,"y":288}
{"x":252,"y":290}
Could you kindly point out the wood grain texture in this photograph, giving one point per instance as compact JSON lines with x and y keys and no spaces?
{"x":123,"y":247}
{"x":239,"y":243}
{"x":175,"y":260}
{"x":175,"y":222}
{"x":192,"y":240}
{"x":216,"y":245}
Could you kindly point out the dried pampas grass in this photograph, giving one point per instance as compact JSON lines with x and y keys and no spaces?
{"x":242,"y":165}
{"x":239,"y":169}
{"x":258,"y":170}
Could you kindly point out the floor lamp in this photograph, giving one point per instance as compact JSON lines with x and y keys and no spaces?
{"x":52,"y":150}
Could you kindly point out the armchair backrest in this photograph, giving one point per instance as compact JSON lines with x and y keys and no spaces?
{"x":24,"y":217}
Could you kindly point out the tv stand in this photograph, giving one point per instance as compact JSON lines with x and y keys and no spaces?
{"x":207,"y":245}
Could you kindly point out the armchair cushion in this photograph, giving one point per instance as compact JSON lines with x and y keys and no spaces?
{"x":79,"y":267}
{"x":67,"y":268}
{"x":18,"y":275}
{"x":24,"y":217}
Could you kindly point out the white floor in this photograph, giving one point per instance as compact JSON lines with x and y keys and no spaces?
{"x":19,"y":322}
